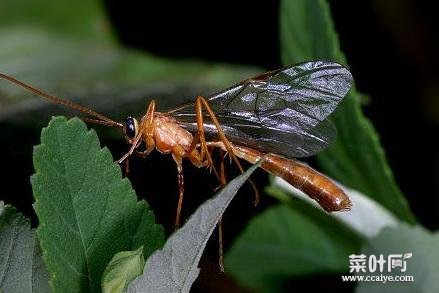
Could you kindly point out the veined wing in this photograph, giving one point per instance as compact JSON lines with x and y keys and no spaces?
{"x":282,"y":111}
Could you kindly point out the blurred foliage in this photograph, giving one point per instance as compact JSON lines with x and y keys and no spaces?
{"x":81,"y":19}
{"x":21,"y":266}
{"x":418,"y":247}
{"x":58,"y":48}
{"x":289,"y":240}
{"x":112,"y":79}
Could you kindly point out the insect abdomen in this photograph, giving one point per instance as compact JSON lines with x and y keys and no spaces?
{"x":314,"y":184}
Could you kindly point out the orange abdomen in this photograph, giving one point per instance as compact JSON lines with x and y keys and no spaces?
{"x":314,"y":184}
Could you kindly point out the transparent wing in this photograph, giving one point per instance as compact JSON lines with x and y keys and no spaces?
{"x":282,"y":111}
{"x":288,"y":144}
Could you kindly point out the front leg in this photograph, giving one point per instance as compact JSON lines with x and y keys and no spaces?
{"x":150,"y":145}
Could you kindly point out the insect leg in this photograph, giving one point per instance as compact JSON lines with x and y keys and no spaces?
{"x":127,"y":167}
{"x":180,"y":194}
{"x":199,"y":136}
{"x":196,"y":158}
{"x":201,"y":103}
{"x":177,"y":154}
{"x":148,"y":128}
{"x":135,"y":144}
{"x":194,"y":144}
{"x":223,"y":182}
{"x":200,"y":133}
{"x":220,"y":245}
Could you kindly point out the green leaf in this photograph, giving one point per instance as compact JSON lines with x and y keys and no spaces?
{"x":87,"y":212}
{"x":423,"y":264}
{"x":81,"y":18}
{"x":175,"y":267}
{"x":356,"y":159}
{"x":21,"y":266}
{"x":289,"y":241}
{"x":123,"y":268}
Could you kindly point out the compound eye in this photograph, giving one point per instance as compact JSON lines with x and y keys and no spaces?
{"x":130,"y":127}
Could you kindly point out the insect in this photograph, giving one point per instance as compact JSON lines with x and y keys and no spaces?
{"x":279,"y":115}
